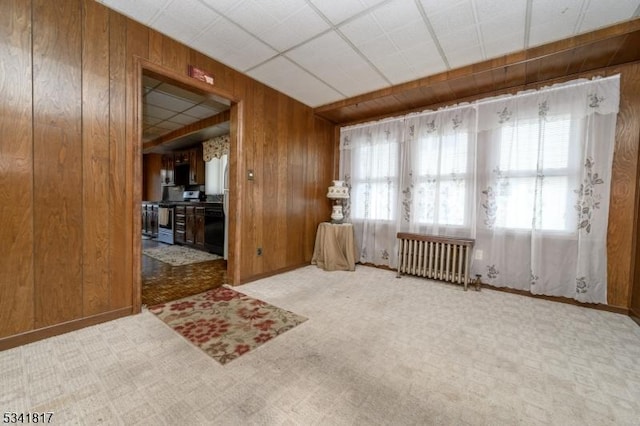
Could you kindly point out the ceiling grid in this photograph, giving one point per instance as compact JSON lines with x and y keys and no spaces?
{"x":323,"y":51}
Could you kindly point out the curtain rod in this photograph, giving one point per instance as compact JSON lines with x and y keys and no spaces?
{"x":489,"y":100}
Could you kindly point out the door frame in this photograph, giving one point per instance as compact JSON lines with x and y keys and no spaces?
{"x":144,"y":66}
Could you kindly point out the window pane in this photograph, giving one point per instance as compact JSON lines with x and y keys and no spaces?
{"x":519,"y":147}
{"x":555,"y":214}
{"x":555,"y":145}
{"x":514,"y":200}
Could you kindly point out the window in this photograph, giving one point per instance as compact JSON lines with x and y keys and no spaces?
{"x":374,"y":181}
{"x":534,"y":176}
{"x":442,"y":174}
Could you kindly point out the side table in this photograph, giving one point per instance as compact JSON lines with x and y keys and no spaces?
{"x":335,"y":248}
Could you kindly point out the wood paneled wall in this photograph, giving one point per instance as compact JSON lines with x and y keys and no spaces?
{"x":71,"y":166}
{"x":151,"y":179}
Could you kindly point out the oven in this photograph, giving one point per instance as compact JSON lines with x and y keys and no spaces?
{"x":166,"y":220}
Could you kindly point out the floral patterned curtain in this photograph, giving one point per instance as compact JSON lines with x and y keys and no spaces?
{"x":528,"y":176}
{"x":215,"y":147}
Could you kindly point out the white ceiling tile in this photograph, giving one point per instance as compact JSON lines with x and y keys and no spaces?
{"x":458,"y":16}
{"x":492,"y":10}
{"x":232,"y":46}
{"x":281,"y":74}
{"x":184,"y":19}
{"x":503,"y":46}
{"x":335,"y":62}
{"x":280,"y":23}
{"x":184,"y":119}
{"x":432,"y":7}
{"x":139,"y":10}
{"x":604,"y":12}
{"x":465,"y":56}
{"x":459,"y":39}
{"x":337,"y":11}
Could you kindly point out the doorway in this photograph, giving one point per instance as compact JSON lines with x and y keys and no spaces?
{"x":175,"y":115}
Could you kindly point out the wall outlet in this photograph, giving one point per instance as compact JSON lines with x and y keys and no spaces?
{"x":479,"y":254}
{"x":259,"y":251}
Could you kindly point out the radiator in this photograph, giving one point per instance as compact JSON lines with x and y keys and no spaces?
{"x":439,"y":258}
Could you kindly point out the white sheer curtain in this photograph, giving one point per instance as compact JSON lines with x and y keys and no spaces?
{"x":370,"y":159}
{"x":534,"y":193}
{"x":544,"y":175}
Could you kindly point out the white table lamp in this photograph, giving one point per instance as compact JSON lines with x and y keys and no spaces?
{"x":338,"y":191}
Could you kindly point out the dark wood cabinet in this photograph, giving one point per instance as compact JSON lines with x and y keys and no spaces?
{"x":199,"y":227}
{"x":196,"y":166}
{"x":179,"y":234}
{"x":190,"y":225}
{"x":149,"y":216}
{"x":167,"y":174}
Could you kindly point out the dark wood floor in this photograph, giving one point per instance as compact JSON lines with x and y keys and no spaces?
{"x":162,"y":282}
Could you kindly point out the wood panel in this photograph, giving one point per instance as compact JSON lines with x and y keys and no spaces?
{"x":16,"y":170}
{"x":57,"y":152}
{"x":121,"y":289}
{"x":624,"y":189}
{"x":74,"y":181}
{"x":95,"y":159}
{"x":151,"y":179}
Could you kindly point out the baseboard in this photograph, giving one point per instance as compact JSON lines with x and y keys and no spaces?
{"x":272,"y":273}
{"x":65,"y":327}
{"x":634,"y":315}
{"x":598,"y":306}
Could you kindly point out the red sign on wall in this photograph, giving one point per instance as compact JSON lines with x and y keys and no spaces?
{"x":201,"y":75}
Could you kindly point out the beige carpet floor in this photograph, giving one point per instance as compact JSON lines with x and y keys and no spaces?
{"x":375,"y":350}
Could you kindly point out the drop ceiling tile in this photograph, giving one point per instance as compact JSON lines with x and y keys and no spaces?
{"x":232,"y":46}
{"x":459,"y":39}
{"x":169,"y":125}
{"x":180,"y":93}
{"x":157,"y":112}
{"x":201,"y":111}
{"x":492,"y":10}
{"x":433,"y":7}
{"x":335,"y":62}
{"x":465,"y":56}
{"x":184,"y":19}
{"x":553,"y":20}
{"x":451,"y":20}
{"x":281,"y":74}
{"x":280,"y":23}
{"x":168,"y":102}
{"x":139,"y":10}
{"x":150,"y":121}
{"x":184,"y":119}
{"x":602,"y":13}
{"x":503,"y":46}
{"x":337,"y":11}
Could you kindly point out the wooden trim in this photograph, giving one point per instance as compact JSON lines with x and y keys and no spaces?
{"x":272,"y":273}
{"x":634,"y":315}
{"x":597,"y":306}
{"x":519,"y":58}
{"x":65,"y":327}
{"x":184,"y":81}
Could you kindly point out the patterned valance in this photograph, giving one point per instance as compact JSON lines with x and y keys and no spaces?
{"x":215,"y":147}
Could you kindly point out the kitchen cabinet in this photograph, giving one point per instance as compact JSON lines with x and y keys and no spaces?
{"x":196,"y":166}
{"x":180,"y":225}
{"x":199,"y":227}
{"x":167,"y":174}
{"x":149,"y":216}
{"x":190,"y":224}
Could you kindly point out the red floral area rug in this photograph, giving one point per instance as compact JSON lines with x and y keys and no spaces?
{"x":225,"y":323}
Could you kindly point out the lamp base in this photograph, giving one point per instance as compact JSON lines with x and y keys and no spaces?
{"x":336,"y":214}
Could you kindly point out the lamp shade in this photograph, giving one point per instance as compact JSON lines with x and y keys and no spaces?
{"x":338,"y":190}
